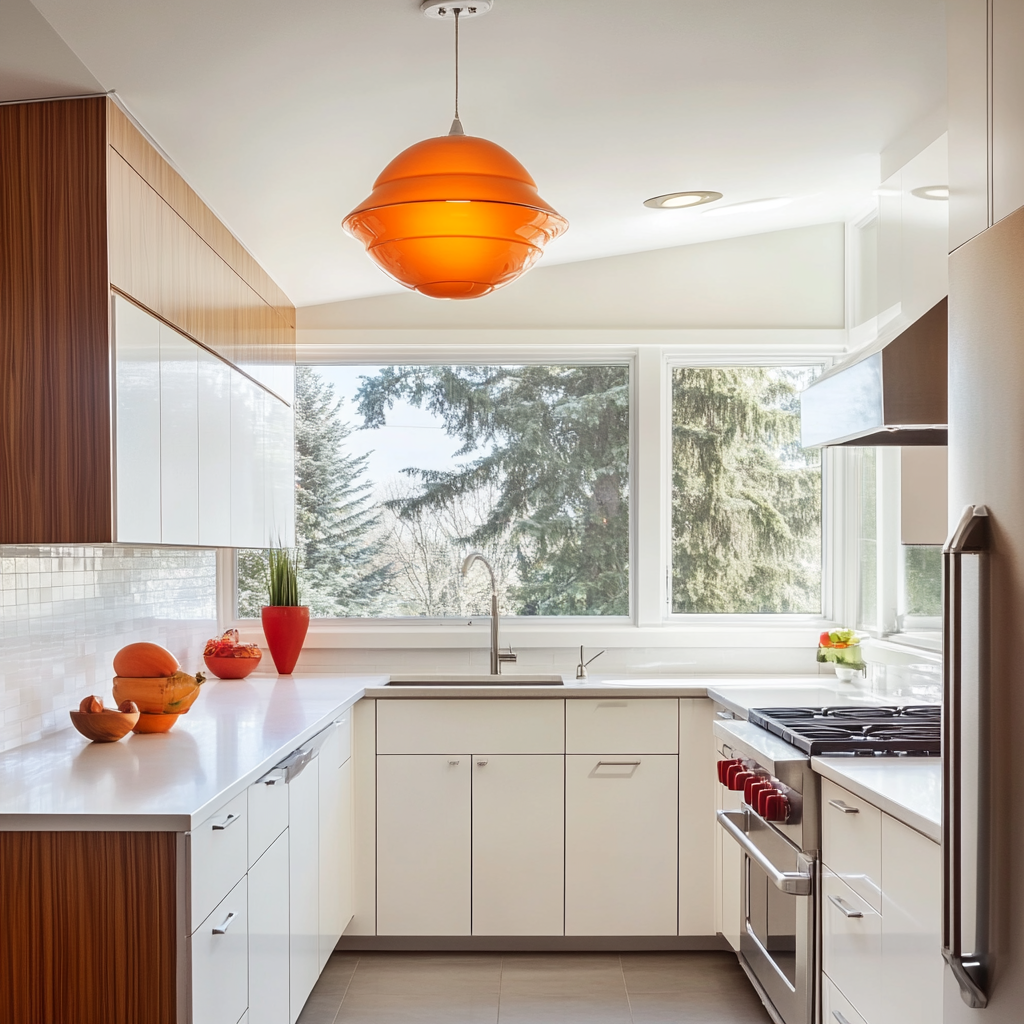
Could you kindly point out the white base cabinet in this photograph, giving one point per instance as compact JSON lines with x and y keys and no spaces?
{"x":268,"y":936}
{"x":423,"y":844}
{"x":303,"y":887}
{"x":219,"y":950}
{"x":621,"y":836}
{"x":335,"y":839}
{"x":881,"y":910}
{"x":518,"y":844}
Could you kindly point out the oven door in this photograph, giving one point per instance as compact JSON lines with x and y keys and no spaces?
{"x":777,"y":944}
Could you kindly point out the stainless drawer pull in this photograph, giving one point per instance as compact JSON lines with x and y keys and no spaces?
{"x":223,"y":927}
{"x":274,"y":777}
{"x":454,"y":763}
{"x":219,"y":826}
{"x":617,"y":764}
{"x":481,"y":764}
{"x":843,"y":907}
{"x":839,"y":805}
{"x":841,"y":1018}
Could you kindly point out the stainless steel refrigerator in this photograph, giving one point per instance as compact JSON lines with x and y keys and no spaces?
{"x":984,"y":642}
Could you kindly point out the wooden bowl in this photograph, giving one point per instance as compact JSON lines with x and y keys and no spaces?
{"x":155,"y":723}
{"x":231,"y":668}
{"x":106,"y":726}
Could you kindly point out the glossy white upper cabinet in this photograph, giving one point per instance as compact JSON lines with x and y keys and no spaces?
{"x":137,"y":462}
{"x":204,"y":455}
{"x":986,"y":114}
{"x":179,"y":438}
{"x":214,"y":450}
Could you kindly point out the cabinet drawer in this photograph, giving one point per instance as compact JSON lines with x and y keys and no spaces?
{"x":268,"y":812}
{"x":220,"y":961}
{"x":471,"y":726}
{"x":851,"y":945}
{"x":218,"y":858}
{"x":643,"y":726}
{"x":835,"y":1007}
{"x":851,"y":841}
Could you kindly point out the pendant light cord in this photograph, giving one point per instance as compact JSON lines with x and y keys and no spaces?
{"x":456,"y":128}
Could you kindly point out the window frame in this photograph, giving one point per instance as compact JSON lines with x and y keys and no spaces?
{"x":650,"y":622}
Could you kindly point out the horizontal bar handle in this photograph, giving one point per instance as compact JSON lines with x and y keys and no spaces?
{"x":841,"y":1018}
{"x":617,"y":764}
{"x":481,"y":764}
{"x":274,"y":777}
{"x":223,"y":927}
{"x":844,"y":908}
{"x":841,"y":805}
{"x":219,"y":826}
{"x":454,"y":763}
{"x":795,"y":883}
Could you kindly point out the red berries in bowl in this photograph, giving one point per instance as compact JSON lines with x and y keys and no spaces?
{"x":228,"y":658}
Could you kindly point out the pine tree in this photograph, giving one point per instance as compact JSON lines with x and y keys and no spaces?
{"x":555,"y":444}
{"x":746,"y":504}
{"x":341,"y":568}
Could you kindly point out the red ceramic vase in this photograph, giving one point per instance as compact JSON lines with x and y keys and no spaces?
{"x":285,"y":627}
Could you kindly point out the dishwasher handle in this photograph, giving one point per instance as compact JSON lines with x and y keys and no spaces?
{"x":795,"y":883}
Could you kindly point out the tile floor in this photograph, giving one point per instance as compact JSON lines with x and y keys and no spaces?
{"x":533,"y":988}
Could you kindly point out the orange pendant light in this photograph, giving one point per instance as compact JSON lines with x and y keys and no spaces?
{"x":454,"y":217}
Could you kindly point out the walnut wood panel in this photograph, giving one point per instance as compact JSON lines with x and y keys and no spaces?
{"x":136,"y":151}
{"x":158,"y":260}
{"x":55,"y":445}
{"x":88,"y":925}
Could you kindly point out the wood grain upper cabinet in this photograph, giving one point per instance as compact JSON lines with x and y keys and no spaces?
{"x":112,"y":433}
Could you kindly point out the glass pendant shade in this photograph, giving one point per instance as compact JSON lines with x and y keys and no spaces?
{"x":455,"y":218}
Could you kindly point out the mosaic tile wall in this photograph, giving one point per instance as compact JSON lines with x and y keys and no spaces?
{"x":65,"y":611}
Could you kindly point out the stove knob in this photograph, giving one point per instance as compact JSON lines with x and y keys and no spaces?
{"x":753,"y":787}
{"x":723,"y":767}
{"x":777,"y":808}
{"x":733,"y":772}
{"x":739,"y":779}
{"x":761,"y":799}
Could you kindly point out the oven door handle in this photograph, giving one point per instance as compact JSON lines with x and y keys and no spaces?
{"x":796,"y":883}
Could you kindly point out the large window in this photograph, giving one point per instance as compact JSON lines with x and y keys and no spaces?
{"x":746,"y":498}
{"x":401,"y":470}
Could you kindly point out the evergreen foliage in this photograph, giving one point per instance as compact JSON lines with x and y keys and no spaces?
{"x":552,"y":442}
{"x":746,"y":499}
{"x":341,"y":571}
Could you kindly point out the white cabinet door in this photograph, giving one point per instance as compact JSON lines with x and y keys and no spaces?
{"x":698,"y":783}
{"x":912,"y":965}
{"x":423,"y":844}
{"x":279,"y":505}
{"x":268,"y":936}
{"x":220,"y":961}
{"x":335,"y":844}
{"x":925,"y":232}
{"x":179,"y":438}
{"x":248,"y":522}
{"x":214,"y":450}
{"x":137,"y":378}
{"x":621,"y":833}
{"x":518,"y":844}
{"x":851,"y":945}
{"x":304,"y":885}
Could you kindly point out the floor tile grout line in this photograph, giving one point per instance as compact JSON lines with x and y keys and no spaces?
{"x":625,"y":988}
{"x":501,"y":976}
{"x":347,"y":987}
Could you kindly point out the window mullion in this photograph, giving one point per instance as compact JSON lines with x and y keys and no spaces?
{"x":650,"y":505}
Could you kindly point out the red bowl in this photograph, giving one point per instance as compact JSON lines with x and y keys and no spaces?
{"x":231,"y":668}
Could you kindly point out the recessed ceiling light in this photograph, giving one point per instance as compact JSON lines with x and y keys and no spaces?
{"x":680,"y":200}
{"x":751,"y":206}
{"x":939,"y":192}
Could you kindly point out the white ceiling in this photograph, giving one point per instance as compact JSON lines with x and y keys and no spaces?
{"x":282,"y":114}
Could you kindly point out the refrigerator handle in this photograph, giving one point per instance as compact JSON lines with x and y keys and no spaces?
{"x":965,"y":640}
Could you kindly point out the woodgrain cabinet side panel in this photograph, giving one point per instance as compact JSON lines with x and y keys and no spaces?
{"x":88,"y":926}
{"x":55,"y":434}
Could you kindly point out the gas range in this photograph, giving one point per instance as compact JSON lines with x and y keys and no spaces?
{"x":856,"y":731}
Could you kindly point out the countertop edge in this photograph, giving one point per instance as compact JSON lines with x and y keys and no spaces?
{"x":907,"y":815}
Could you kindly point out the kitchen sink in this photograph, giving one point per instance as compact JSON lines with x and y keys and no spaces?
{"x":455,"y":679}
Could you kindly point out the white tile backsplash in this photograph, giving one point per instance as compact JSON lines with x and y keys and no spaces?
{"x":65,"y":611}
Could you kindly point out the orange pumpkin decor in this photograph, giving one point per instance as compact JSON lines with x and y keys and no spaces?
{"x":150,"y":676}
{"x":145,"y":660}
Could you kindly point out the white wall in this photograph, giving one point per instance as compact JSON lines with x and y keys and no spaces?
{"x":782,"y":279}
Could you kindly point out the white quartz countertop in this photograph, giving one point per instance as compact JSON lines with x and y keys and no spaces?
{"x":908,"y":788}
{"x":235,"y":732}
{"x":817,"y":692}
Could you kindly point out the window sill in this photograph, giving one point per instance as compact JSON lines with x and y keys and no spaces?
{"x":723,"y":632}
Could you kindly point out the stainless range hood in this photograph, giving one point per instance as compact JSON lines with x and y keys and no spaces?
{"x":893,"y":394}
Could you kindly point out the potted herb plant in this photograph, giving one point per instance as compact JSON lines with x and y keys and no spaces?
{"x":841,"y":648}
{"x":285,"y":621}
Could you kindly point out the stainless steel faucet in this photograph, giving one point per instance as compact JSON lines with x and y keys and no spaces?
{"x":498,"y":657}
{"x":581,"y":668}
